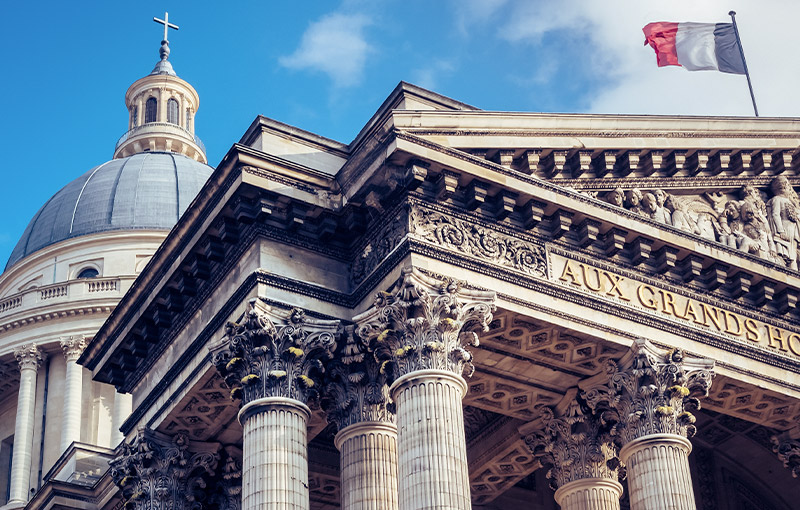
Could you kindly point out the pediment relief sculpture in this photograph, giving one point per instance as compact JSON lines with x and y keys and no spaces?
{"x":742,"y":219}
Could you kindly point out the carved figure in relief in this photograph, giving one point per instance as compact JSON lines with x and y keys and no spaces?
{"x":633,"y":200}
{"x":754,"y":238}
{"x":706,"y":227}
{"x":679,"y":212}
{"x":730,"y":224}
{"x":616,"y":197}
{"x":661,"y":213}
{"x":782,"y":212}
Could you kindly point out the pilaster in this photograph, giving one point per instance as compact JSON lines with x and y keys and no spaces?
{"x":160,"y":472}
{"x":649,"y":397}
{"x":30,"y":359}
{"x":420,"y":331}
{"x":273,"y":361}
{"x":73,"y":388}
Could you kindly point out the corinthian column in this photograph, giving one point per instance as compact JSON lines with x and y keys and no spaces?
{"x":419,"y":332}
{"x":30,"y":359}
{"x":273,"y":361}
{"x":157,"y":471}
{"x":650,"y":396}
{"x":73,"y":389}
{"x":356,"y":399}
{"x":580,"y":456}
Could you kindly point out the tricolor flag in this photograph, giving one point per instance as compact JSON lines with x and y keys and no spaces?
{"x":696,"y":46}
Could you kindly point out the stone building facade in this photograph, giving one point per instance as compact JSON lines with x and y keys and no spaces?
{"x":461,"y":308}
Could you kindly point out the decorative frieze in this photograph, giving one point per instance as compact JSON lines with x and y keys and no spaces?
{"x":355,"y":389}
{"x":788,"y":451}
{"x":475,"y":240}
{"x":425,"y":323}
{"x":653,"y":392}
{"x":275,"y":353}
{"x":160,"y":472}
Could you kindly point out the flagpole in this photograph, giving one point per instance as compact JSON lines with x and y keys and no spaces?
{"x":732,"y":14}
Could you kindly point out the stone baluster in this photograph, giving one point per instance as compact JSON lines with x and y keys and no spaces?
{"x":356,"y":400}
{"x":123,"y":405}
{"x":273,"y":361}
{"x":30,"y":358}
{"x":419,"y":331}
{"x":156,"y":471}
{"x":580,"y":455}
{"x":73,"y":391}
{"x":650,"y":396}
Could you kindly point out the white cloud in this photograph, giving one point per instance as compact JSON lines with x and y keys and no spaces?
{"x":428,"y":76}
{"x":335,"y":45}
{"x":613,"y":29}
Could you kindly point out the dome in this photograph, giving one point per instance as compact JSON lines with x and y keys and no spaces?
{"x":149,"y":190}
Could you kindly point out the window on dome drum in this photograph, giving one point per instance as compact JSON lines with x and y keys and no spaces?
{"x":89,"y":272}
{"x":150,"y":109}
{"x":135,"y":116}
{"x":188,"y":119}
{"x":172,"y":111}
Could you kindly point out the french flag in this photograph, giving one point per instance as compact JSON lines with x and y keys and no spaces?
{"x":696,"y":46}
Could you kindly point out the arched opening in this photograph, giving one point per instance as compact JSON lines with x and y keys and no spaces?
{"x":150,"y":110}
{"x":172,"y":111}
{"x":88,"y":272}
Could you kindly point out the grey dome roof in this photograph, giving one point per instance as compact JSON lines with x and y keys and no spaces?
{"x":149,"y":190}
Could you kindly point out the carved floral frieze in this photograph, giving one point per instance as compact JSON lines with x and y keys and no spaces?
{"x":473,"y":239}
{"x":275,"y":353}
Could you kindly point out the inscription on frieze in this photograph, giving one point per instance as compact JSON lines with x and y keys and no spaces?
{"x":667,"y":304}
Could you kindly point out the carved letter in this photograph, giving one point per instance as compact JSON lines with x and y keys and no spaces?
{"x":714,"y":318}
{"x":736,"y":320}
{"x":615,"y":280}
{"x":752,"y":330}
{"x":794,"y":343}
{"x":647,"y":302}
{"x":690,"y":311}
{"x":586,"y":280}
{"x":774,"y":334}
{"x":569,"y":275}
{"x":668,"y":303}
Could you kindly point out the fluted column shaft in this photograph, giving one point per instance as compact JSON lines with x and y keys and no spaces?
{"x":432,"y":459}
{"x":589,"y":494}
{"x":275,"y":458}
{"x":29,"y":360}
{"x":73,"y":390}
{"x":123,"y":403}
{"x":368,"y":466}
{"x":658,"y":472}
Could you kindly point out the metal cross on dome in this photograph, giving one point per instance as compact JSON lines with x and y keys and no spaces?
{"x":166,"y":23}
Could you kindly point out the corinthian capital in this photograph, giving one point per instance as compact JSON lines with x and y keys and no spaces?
{"x":157,"y":471}
{"x":652,"y":391}
{"x":29,"y":356}
{"x":425,"y":323}
{"x":355,"y":390}
{"x":275,"y":353}
{"x":788,"y":451}
{"x":73,"y":346}
{"x":573,"y":444}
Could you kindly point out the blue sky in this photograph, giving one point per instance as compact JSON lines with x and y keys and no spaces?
{"x":326,"y":67}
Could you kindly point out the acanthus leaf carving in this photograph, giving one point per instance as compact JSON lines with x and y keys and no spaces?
{"x":425,"y":323}
{"x":478,"y":241}
{"x":275,"y":353}
{"x":788,"y":451}
{"x":160,"y":472}
{"x":654,"y":392}
{"x":355,"y":389}
{"x":574,"y":445}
